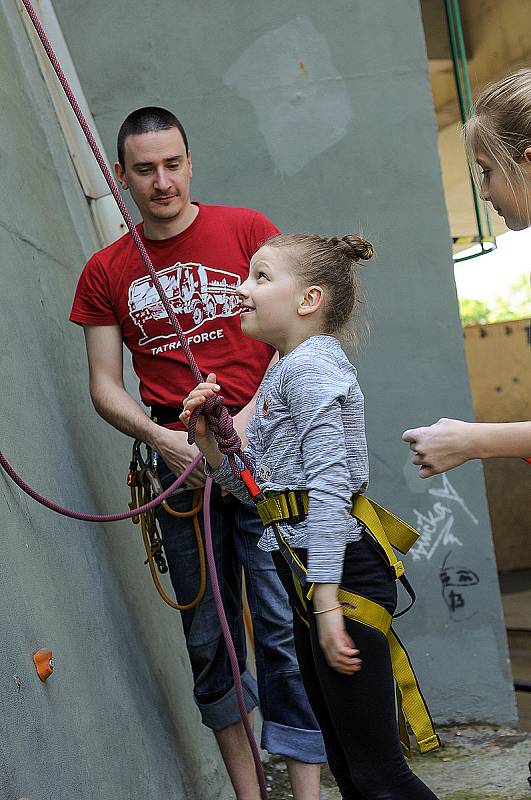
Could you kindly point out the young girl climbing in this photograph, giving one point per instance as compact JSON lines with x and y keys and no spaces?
{"x":308,"y":433}
{"x":498,"y":140}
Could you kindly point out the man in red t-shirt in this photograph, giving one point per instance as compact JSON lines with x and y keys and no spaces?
{"x":201,"y":254}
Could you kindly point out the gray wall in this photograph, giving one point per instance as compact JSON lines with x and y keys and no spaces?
{"x":321,"y":116}
{"x":116,"y":720}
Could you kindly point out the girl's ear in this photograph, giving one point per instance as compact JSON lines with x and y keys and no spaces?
{"x":311,"y":301}
{"x":527,"y":155}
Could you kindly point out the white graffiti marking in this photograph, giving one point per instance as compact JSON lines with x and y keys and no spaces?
{"x":436,"y":525}
{"x":447,"y":492}
{"x":435,"y":529}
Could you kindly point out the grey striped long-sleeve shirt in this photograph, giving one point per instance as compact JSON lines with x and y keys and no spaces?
{"x":308,"y":432}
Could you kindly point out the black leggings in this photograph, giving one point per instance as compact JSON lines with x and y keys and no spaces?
{"x":356,"y":712}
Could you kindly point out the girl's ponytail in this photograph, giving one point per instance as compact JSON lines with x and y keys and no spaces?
{"x":360,"y":249}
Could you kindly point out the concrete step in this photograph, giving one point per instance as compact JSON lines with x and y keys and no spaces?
{"x":520,"y":650}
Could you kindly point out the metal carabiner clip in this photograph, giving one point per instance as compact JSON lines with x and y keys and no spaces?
{"x":154,"y":480}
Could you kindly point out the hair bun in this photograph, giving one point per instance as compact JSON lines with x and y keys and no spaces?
{"x":361,"y":249}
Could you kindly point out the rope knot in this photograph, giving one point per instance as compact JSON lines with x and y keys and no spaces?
{"x":220,"y":423}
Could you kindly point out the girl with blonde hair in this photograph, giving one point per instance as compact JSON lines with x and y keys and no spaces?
{"x":498,"y":141}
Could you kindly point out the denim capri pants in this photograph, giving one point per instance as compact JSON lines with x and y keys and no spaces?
{"x":289,"y":725}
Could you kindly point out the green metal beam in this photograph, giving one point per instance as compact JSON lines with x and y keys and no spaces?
{"x":464,"y":96}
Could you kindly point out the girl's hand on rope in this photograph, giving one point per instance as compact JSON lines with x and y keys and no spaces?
{"x":196,"y":398}
{"x":204,"y":437}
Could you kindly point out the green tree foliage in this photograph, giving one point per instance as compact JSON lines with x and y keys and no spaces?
{"x":514,"y":304}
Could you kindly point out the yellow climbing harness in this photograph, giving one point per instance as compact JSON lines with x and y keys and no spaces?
{"x":388,"y":531}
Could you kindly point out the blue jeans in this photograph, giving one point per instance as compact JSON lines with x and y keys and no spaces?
{"x":290,"y":728}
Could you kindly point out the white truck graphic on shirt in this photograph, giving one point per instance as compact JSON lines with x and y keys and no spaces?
{"x":196,"y":294}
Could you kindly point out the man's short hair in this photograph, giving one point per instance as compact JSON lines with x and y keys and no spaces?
{"x":147,"y":120}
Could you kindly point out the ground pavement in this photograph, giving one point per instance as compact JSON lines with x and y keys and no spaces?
{"x":477,"y":763}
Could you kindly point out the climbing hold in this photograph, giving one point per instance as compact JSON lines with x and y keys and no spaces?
{"x":43,"y":660}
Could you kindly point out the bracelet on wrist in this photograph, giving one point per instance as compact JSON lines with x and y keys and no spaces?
{"x":326,"y":610}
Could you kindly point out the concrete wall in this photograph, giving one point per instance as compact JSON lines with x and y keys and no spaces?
{"x":116,"y":720}
{"x":321,"y":117}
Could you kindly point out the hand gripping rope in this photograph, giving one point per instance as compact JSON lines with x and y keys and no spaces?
{"x":219,"y":419}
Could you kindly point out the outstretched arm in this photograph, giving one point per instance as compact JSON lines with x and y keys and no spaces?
{"x":448,"y":443}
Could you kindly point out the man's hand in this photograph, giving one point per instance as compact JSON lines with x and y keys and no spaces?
{"x":339,"y":649}
{"x":178,"y":454}
{"x":440,"y":447}
{"x":114,"y":404}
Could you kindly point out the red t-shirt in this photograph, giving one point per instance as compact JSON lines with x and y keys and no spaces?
{"x":195,"y":267}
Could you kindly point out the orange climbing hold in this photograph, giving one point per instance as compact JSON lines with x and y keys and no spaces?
{"x":43,"y":660}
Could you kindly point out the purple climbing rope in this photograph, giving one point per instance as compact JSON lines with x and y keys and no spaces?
{"x":235,"y":668}
{"x":68,"y":512}
{"x":219,"y":419}
{"x":223,"y":425}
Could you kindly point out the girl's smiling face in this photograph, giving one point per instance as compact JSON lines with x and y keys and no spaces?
{"x":509,"y":192}
{"x":270,"y":297}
